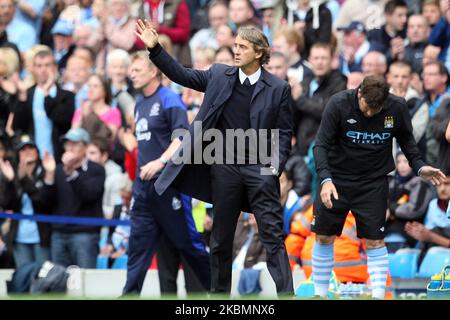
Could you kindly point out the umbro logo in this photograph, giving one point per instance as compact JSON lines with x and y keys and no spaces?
{"x":351,"y":121}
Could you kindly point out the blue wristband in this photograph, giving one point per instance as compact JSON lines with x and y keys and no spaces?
{"x":325,"y":180}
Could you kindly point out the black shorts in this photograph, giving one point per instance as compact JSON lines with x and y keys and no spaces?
{"x":366,"y":200}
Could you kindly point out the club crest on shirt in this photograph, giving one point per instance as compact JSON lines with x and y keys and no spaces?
{"x":176,"y":203}
{"x":154,"y":110}
{"x":389,"y":122}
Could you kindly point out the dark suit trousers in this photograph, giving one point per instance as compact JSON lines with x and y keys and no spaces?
{"x":230,"y":185}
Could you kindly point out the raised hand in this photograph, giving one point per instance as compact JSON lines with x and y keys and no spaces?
{"x":48,"y":162}
{"x":7,"y":169}
{"x":147,"y":33}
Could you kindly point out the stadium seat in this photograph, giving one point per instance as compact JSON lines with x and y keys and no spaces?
{"x":435,"y":259}
{"x":102,"y":262}
{"x":403,"y":263}
{"x":120,"y":262}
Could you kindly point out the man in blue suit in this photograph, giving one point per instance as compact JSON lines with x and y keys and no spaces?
{"x":246,"y":97}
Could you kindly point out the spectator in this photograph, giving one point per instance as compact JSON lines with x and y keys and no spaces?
{"x":44,"y":111}
{"x":204,"y":58}
{"x":417,"y":32}
{"x":206,"y":38}
{"x":6,"y":203}
{"x":354,"y":80}
{"x":116,"y":31}
{"x":77,"y":73}
{"x":76,"y":188}
{"x":9,"y":83}
{"x":436,"y":228}
{"x":313,"y":19}
{"x":431,"y":11}
{"x":117,"y":64}
{"x":440,"y":133}
{"x":290,"y":43}
{"x":355,"y":47}
{"x":242,"y":13}
{"x":63,"y":43}
{"x":7,"y":186}
{"x":440,"y":34}
{"x":96,"y":115}
{"x":290,"y":200}
{"x":225,"y":36}
{"x":25,"y":27}
{"x":248,"y":250}
{"x":408,"y":200}
{"x":399,"y":78}
{"x":118,"y":237}
{"x":317,"y":25}
{"x":435,"y":79}
{"x":98,"y":151}
{"x":311,"y":98}
{"x":278,"y":65}
{"x":49,"y":18}
{"x":389,"y":39}
{"x":268,"y":12}
{"x":299,"y":173}
{"x":171,"y":19}
{"x":369,"y":12}
{"x":29,"y":240}
{"x":224,"y":55}
{"x":6,"y":15}
{"x":374,"y":63}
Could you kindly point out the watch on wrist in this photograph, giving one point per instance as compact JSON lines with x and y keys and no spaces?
{"x":163,"y":160}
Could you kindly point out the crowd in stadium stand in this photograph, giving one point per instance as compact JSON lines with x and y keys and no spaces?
{"x":66,"y":114}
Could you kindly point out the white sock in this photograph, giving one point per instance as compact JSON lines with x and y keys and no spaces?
{"x":378,"y":266}
{"x":322,"y":265}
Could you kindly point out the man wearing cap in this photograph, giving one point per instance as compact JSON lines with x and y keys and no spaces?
{"x":29,"y":240}
{"x":355,"y":47}
{"x":76,"y":188}
{"x":63,"y":45}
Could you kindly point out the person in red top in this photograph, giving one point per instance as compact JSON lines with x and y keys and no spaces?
{"x":171,"y":18}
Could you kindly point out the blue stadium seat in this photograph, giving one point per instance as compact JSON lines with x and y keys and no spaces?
{"x":435,"y":259}
{"x":102,"y":262}
{"x":120,"y":262}
{"x":403,"y":263}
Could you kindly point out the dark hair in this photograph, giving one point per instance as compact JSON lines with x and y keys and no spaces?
{"x":322,"y":45}
{"x":391,"y":5}
{"x":101,"y":144}
{"x":288,"y":174}
{"x":441,"y":66}
{"x":106,"y":88}
{"x":442,"y":69}
{"x":374,"y":90}
{"x":226,"y":49}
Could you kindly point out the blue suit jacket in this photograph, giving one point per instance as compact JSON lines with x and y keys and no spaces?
{"x":270,"y":108}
